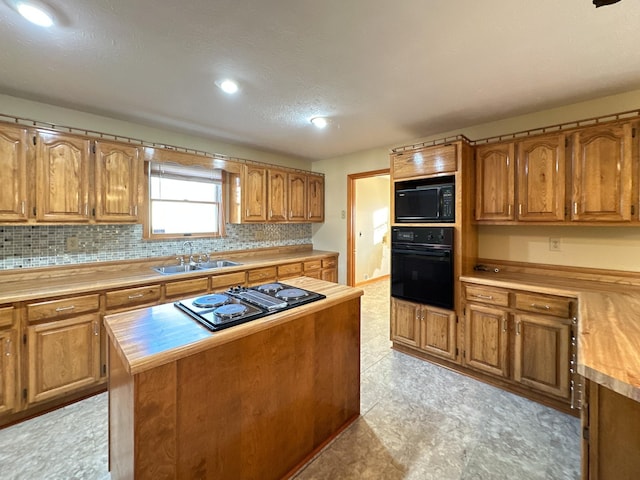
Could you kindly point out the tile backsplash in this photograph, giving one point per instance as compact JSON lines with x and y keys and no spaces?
{"x":46,"y":245}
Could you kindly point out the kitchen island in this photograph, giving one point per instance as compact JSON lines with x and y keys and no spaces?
{"x":254,"y":401}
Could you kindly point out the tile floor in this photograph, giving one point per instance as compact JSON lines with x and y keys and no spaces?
{"x":418,"y":421}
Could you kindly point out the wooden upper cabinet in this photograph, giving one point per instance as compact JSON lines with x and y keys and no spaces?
{"x":495,"y":182}
{"x":427,"y":161}
{"x":118,"y":172}
{"x":297,"y":197}
{"x":254,"y":194}
{"x":601,"y":177}
{"x":277,"y":194}
{"x":541,"y":179}
{"x":13,"y":165}
{"x":315,"y":198}
{"x":62,"y":177}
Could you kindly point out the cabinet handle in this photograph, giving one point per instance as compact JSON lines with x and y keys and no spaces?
{"x":135,"y":210}
{"x":86,"y":209}
{"x":96,"y":330}
{"x":22,"y":207}
{"x":137,"y":295}
{"x":509,"y":210}
{"x":7,"y":347}
{"x":484,"y":297}
{"x":575,"y":208}
{"x":519,"y":209}
{"x":247,"y":212}
{"x":541,"y":307}
{"x":290,"y":213}
{"x":270,"y":213}
{"x":504,"y":324}
{"x":62,"y":309}
{"x":517,"y":328}
{"x":309,"y":213}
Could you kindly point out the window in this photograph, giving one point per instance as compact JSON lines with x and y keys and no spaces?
{"x":184,"y":201}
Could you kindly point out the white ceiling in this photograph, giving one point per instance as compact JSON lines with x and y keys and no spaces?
{"x":387,"y":72}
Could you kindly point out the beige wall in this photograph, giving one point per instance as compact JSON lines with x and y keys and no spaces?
{"x":72,"y":118}
{"x":607,"y":247}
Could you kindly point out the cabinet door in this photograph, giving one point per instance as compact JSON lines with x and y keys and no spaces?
{"x":486,"y":336}
{"x":541,"y":358}
{"x":297,"y":197}
{"x":277,"y":188}
{"x":405,"y":322}
{"x":117,"y":175}
{"x":254,"y":194}
{"x":541,"y":177}
{"x":315,"y":198}
{"x":601,"y":177}
{"x":495,"y":182}
{"x":64,"y":356}
{"x":7,"y":370}
{"x":13,"y":165}
{"x":62,"y":177}
{"x":438,"y":332}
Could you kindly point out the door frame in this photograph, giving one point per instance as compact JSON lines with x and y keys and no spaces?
{"x":351,"y":217}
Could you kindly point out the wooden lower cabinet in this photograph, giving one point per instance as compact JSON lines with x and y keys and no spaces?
{"x":405,"y":322}
{"x":8,"y":349}
{"x":611,"y":435}
{"x":430,"y":329}
{"x":505,"y":339}
{"x":330,"y":269}
{"x":64,"y":356}
{"x":541,"y":353}
{"x":486,"y":340}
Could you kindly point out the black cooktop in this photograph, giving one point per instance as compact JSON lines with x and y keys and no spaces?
{"x":238,"y":305}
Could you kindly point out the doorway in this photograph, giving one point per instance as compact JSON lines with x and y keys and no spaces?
{"x":368,"y":224}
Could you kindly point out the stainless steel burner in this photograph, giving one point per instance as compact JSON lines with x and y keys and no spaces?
{"x":211,"y":301}
{"x":230,"y":310}
{"x":270,"y":287}
{"x":291,"y":294}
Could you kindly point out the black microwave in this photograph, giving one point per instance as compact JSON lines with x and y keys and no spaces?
{"x":426,"y":204}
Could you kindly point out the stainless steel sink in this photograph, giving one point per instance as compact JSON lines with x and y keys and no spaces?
{"x":171,"y":269}
{"x":218,"y":264}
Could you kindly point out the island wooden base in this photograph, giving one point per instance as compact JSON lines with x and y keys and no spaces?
{"x":254,"y":408}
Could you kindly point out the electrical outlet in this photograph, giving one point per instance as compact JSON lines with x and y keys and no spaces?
{"x":554,"y":244}
{"x":73,"y":245}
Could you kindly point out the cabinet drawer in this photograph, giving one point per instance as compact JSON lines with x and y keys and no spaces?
{"x":64,"y":307}
{"x":329,"y":262}
{"x":186,"y":287}
{"x":290,"y":270}
{"x":312,"y":265}
{"x":6,"y":316}
{"x":493,"y":296}
{"x":131,"y":297}
{"x":260,"y":275}
{"x":557,"y":306}
{"x":222,"y":282}
{"x":431,"y":160}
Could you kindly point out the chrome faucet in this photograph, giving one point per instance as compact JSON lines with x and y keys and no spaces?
{"x":189,"y":244}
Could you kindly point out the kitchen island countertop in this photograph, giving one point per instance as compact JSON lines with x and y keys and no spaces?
{"x":150,"y":337}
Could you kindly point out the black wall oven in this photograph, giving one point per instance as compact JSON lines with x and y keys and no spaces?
{"x":422,"y":265}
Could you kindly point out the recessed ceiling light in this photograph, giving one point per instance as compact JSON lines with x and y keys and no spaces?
{"x":228,"y":86}
{"x":34,"y":11}
{"x":319,"y":122}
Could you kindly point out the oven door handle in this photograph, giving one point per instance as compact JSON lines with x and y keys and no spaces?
{"x":442,"y":253}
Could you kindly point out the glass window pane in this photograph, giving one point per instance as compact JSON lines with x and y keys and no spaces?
{"x":174,"y":189}
{"x":181,"y":217}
